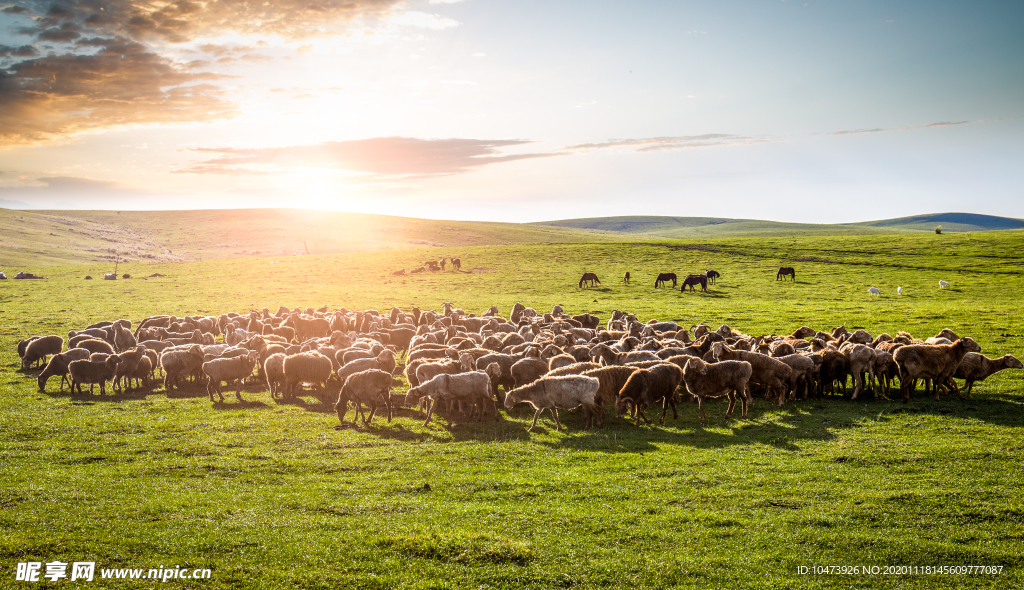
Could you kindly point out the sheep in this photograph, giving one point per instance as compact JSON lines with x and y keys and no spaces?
{"x":938,"y":363}
{"x":874,"y":291}
{"x":609,"y":357}
{"x":834,"y":368}
{"x":573,"y":369}
{"x":646,"y":386}
{"x":528,"y":370}
{"x":23,"y":344}
{"x":123,"y":338}
{"x":729,"y":378}
{"x":943,"y":284}
{"x":975,"y":367}
{"x":553,"y":393}
{"x":273,"y":372}
{"x":92,"y":371}
{"x":899,"y":291}
{"x":427,"y":371}
{"x":306,"y":367}
{"x":37,"y":350}
{"x":58,"y":365}
{"x":862,"y":360}
{"x":235,"y":369}
{"x":142,"y":371}
{"x":370,"y":387}
{"x":473,"y":387}
{"x":768,"y":371}
{"x":803,"y":372}
{"x":181,"y":363}
{"x":611,"y":380}
{"x":129,"y":362}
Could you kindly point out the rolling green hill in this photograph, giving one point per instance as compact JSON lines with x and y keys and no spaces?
{"x":84,"y":237}
{"x":681,"y":227}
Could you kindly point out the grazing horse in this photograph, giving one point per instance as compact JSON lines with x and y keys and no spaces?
{"x":457,"y":264}
{"x":589,"y":277}
{"x":712,"y":275}
{"x":785,"y":271}
{"x":692,"y":280}
{"x":442,"y":262}
{"x":625,"y":277}
{"x":665,"y":277}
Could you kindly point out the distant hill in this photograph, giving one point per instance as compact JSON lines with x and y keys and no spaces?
{"x":82,"y":237}
{"x":685,"y":227}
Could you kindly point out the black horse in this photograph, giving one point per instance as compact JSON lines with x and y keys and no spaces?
{"x":665,"y":277}
{"x":785,"y":271}
{"x":693,"y":280}
{"x":712,"y":275}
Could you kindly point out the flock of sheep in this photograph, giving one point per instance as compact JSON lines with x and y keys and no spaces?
{"x":461,"y":365}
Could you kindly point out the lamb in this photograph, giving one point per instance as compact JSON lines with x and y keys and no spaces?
{"x":473,"y":387}
{"x":369,"y":387}
{"x":768,"y":371}
{"x":975,"y":367}
{"x":729,"y":378}
{"x":306,"y":367}
{"x":273,"y":371}
{"x":943,"y":284}
{"x":235,"y":369}
{"x":646,"y":386}
{"x":181,"y":363}
{"x":58,"y":365}
{"x":936,"y":362}
{"x":557,"y":392}
{"x":90,"y":371}
{"x":37,"y":350}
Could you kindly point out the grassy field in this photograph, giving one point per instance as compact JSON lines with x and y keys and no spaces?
{"x":276,"y":495}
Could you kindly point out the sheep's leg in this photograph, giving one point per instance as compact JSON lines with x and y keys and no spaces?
{"x":858,"y":384}
{"x":969,"y":383}
{"x":558,"y":425}
{"x":744,"y":405}
{"x":700,"y":404}
{"x":732,"y":405}
{"x":238,"y":390}
{"x":535,"y":416}
{"x":433,"y":404}
{"x":664,"y":409}
{"x":373,"y":410}
{"x":387,"y":404}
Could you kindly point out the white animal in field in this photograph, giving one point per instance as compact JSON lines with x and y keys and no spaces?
{"x":943,"y":285}
{"x":899,"y":290}
{"x":874,"y":291}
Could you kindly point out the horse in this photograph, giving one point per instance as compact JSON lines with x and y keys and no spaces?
{"x":589,"y":277}
{"x":692,"y":280}
{"x":625,"y":278}
{"x":785,"y":271}
{"x":712,"y":275}
{"x":442,"y":262}
{"x":663,"y":278}
{"x":457,"y":264}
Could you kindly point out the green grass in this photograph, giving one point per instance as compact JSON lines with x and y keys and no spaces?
{"x":276,"y":495}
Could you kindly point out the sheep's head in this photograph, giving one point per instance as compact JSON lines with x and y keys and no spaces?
{"x":694,"y":365}
{"x":513,"y":398}
{"x":1012,"y":362}
{"x":413,"y":396}
{"x":622,"y":405}
{"x":803,"y":332}
{"x":969,"y":344}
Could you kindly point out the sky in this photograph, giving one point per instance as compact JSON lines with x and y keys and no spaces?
{"x":817,"y":111}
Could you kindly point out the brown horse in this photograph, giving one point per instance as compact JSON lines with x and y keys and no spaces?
{"x":693,"y":280}
{"x":712,"y":275}
{"x":625,"y":277}
{"x":589,"y":277}
{"x":664,"y":278}
{"x":785,"y":271}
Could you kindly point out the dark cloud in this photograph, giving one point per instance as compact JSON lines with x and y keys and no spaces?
{"x":122,"y":83}
{"x":23,"y":51}
{"x":653,"y":144}
{"x":388,"y":156}
{"x":185,"y":20}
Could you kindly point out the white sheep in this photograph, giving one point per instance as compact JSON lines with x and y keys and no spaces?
{"x":899,"y":291}
{"x":552,"y":393}
{"x":874,"y":291}
{"x":943,"y":284}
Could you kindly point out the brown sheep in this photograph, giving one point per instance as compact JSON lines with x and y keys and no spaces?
{"x":38,"y":349}
{"x":729,"y":378}
{"x":306,"y":367}
{"x":90,"y":371}
{"x":935,"y":362}
{"x":473,"y":387}
{"x":365,"y":387}
{"x":975,"y":367}
{"x":58,"y":365}
{"x":770,"y":372}
{"x":647,"y":386}
{"x":528,"y":370}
